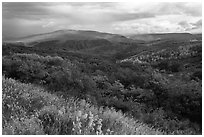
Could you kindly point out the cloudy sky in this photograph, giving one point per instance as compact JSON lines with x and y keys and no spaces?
{"x":21,"y":19}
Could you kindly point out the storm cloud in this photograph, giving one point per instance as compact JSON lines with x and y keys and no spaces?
{"x":21,"y":19}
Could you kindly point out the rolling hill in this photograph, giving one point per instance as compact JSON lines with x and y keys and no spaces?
{"x":154,"y":84}
{"x":75,"y":40}
{"x":166,"y":36}
{"x":66,"y":35}
{"x":98,"y":43}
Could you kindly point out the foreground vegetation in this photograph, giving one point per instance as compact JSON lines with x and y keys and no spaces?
{"x":28,"y":109}
{"x":163,"y":93}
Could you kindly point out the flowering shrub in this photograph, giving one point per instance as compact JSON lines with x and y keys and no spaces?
{"x":164,"y":54}
{"x":53,"y":115}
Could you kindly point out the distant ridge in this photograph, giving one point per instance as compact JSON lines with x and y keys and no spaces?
{"x":64,"y":35}
{"x":165,"y":36}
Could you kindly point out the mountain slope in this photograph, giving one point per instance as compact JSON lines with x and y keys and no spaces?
{"x":165,"y":36}
{"x":65,"y":35}
{"x":91,"y":42}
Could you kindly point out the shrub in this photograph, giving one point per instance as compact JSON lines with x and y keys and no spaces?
{"x":59,"y":116}
{"x":29,"y":67}
{"x":169,"y":65}
{"x":197,"y":75}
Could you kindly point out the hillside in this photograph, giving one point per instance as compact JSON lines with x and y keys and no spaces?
{"x":170,"y":52}
{"x":157,"y":83}
{"x":92,"y":42}
{"x":98,"y":43}
{"x":28,"y":109}
{"x":65,"y":35}
{"x":165,"y":36}
{"x":139,"y":91}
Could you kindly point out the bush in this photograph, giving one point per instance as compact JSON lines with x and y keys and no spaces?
{"x":169,"y":65}
{"x":188,"y":98}
{"x":58,"y":116}
{"x":150,"y":96}
{"x":29,"y":67}
{"x":197,"y":75}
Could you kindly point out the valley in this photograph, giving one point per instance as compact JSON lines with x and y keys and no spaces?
{"x":153,"y":82}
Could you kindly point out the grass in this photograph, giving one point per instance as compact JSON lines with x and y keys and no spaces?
{"x":28,"y":109}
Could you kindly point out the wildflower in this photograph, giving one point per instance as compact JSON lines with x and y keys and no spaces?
{"x":98,"y":127}
{"x":83,"y":103}
{"x":79,"y":113}
{"x":109,"y":132}
{"x":91,"y":123}
{"x":77,"y":126}
{"x":84,"y":116}
{"x":90,"y":119}
{"x":61,"y":111}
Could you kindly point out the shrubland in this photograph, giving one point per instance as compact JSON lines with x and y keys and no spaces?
{"x":162,"y":97}
{"x":29,"y":109}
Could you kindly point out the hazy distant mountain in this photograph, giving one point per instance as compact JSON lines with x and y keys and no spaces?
{"x":166,"y":36}
{"x":103,"y":43}
{"x":65,"y":35}
{"x":75,"y":40}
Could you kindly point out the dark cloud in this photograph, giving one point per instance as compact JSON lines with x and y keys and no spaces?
{"x":192,"y":10}
{"x":197,"y":24}
{"x":131,"y":16}
{"x":92,"y":4}
{"x":24,"y":10}
{"x":20,"y":18}
{"x":41,"y":9}
{"x":179,"y":8}
{"x":99,"y":12}
{"x":191,"y":26}
{"x":185,"y":25}
{"x":36,"y":11}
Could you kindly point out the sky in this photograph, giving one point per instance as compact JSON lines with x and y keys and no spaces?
{"x":22,"y":19}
